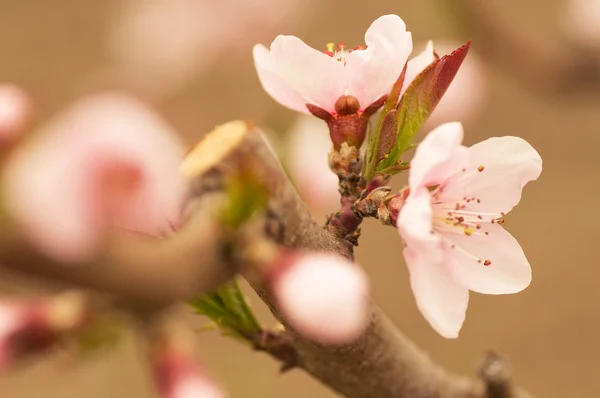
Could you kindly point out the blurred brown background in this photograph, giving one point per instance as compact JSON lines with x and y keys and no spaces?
{"x":59,"y":50}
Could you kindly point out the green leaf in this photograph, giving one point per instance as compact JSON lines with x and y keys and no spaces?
{"x":228,"y":309}
{"x":419,"y":101}
{"x":375,"y":136}
{"x":235,"y":302}
{"x":246,"y":196}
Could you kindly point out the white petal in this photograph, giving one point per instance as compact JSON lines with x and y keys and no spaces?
{"x":438,"y":156}
{"x":372,"y":72}
{"x":440,"y":299}
{"x":273,"y":82}
{"x":509,"y":270}
{"x":415,"y":220}
{"x":417,"y":64}
{"x":313,"y":74}
{"x":508,"y":164}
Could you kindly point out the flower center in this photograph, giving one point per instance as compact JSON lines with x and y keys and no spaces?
{"x":461,"y":215}
{"x":340,"y":52}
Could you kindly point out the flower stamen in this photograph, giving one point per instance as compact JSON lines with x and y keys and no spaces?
{"x":339,"y":51}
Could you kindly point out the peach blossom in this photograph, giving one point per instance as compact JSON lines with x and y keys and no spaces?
{"x":451,"y":222}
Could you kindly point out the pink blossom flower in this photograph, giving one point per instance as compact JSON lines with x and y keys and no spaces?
{"x":451,"y":222}
{"x":179,"y":375}
{"x":15,"y":110}
{"x":580,"y":21}
{"x":308,"y":149}
{"x":31,"y":326}
{"x":417,"y":64}
{"x":107,"y":161}
{"x":295,"y":74}
{"x":161,"y":45}
{"x":325,"y":297}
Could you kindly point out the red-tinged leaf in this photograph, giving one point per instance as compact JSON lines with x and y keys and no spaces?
{"x":420,"y":99}
{"x":374,"y":152}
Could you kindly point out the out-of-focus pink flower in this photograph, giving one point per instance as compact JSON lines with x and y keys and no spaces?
{"x":417,"y":64}
{"x":178,"y":375}
{"x":15,"y":110}
{"x":107,"y":161}
{"x":580,"y":21}
{"x":465,"y":96}
{"x":161,"y":45}
{"x":324,"y":297}
{"x":451,"y":220}
{"x":31,"y":326}
{"x":295,"y":74}
{"x":308,"y":148}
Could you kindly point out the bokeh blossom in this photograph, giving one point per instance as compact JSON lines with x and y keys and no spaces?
{"x":580,"y":21}
{"x":107,"y":161}
{"x":451,"y":222}
{"x":323,"y":296}
{"x":15,"y":110}
{"x":162,"y":45}
{"x":308,"y":146}
{"x":179,"y":375}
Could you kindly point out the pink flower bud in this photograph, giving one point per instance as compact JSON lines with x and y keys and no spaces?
{"x":323,"y":296}
{"x":32,"y":326}
{"x":15,"y":110}
{"x":178,"y":375}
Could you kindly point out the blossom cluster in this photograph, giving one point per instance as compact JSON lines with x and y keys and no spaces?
{"x":457,"y":198}
{"x":109,"y":165}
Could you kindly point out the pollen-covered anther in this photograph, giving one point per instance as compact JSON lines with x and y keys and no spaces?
{"x":487,"y":263}
{"x":480,"y":169}
{"x":339,"y":51}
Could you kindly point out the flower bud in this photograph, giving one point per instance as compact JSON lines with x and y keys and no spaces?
{"x":28,"y":327}
{"x":323,"y":296}
{"x":178,"y":375}
{"x":15,"y":110}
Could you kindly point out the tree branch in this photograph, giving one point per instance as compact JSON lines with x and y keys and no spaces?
{"x":139,"y":269}
{"x":383,"y":363}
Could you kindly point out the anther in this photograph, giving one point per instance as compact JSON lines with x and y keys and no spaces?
{"x":480,"y":168}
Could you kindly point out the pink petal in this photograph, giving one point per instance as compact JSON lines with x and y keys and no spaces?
{"x":438,"y":156}
{"x":440,"y":299}
{"x":417,"y":64}
{"x":56,"y":186}
{"x":273,"y":83}
{"x":508,"y":271}
{"x":313,"y":74}
{"x":579,"y":20}
{"x":309,"y":145}
{"x":373,"y":71}
{"x":508,"y":164}
{"x":415,"y":220}
{"x":15,"y":110}
{"x":195,"y":386}
{"x":325,"y":297}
